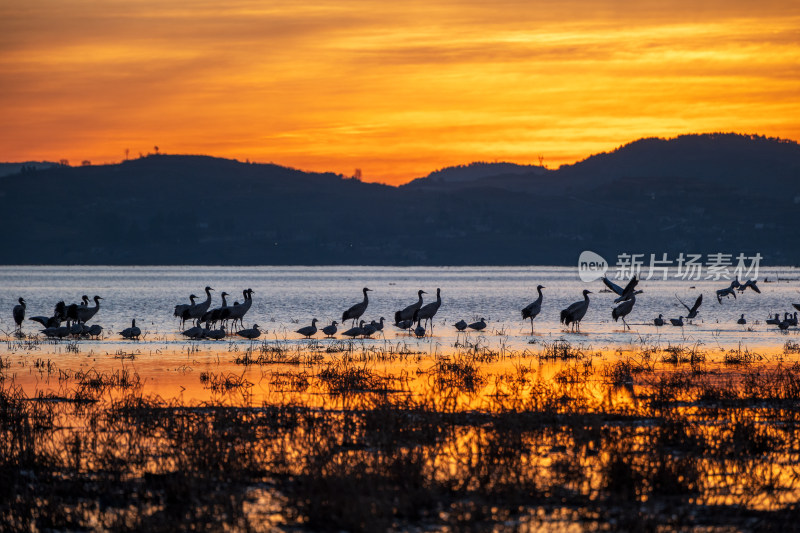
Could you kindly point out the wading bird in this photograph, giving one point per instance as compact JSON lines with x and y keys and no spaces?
{"x":356,"y":331}
{"x":533,"y":309}
{"x":331,"y":330}
{"x":355,"y":312}
{"x":309,"y":331}
{"x":18,"y":312}
{"x":428,"y":311}
{"x":237,"y":312}
{"x":419,"y":331}
{"x":575,"y":312}
{"x":623,"y":309}
{"x":251,"y":333}
{"x":86,"y":313}
{"x":197,"y":311}
{"x":460,"y":325}
{"x":479,"y":325}
{"x":180,"y":309}
{"x":404,"y":324}
{"x":132,"y":332}
{"x":408,"y":312}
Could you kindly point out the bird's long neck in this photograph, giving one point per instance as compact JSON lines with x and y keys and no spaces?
{"x":438,"y":297}
{"x":208,"y":296}
{"x":539,"y":299}
{"x":366,"y":298}
{"x":420,"y":297}
{"x":96,"y":302}
{"x":224,"y":302}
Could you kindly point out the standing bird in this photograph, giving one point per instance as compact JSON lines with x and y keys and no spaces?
{"x":356,"y":331}
{"x":623,"y":309}
{"x":331,"y":330}
{"x":180,"y":309}
{"x":308,"y":331}
{"x":428,"y":311}
{"x":132,"y":332}
{"x":251,"y":333}
{"x":575,"y":312}
{"x":355,"y":312}
{"x":692,"y":310}
{"x":792,"y":319}
{"x":85,"y":313}
{"x":741,"y":320}
{"x":624,"y":294}
{"x":479,"y":325}
{"x":408,"y":312}
{"x":659,"y":321}
{"x":460,"y":325}
{"x":368,"y":330}
{"x":196,"y":311}
{"x":533,"y":309}
{"x":216,"y":334}
{"x":378,"y":325}
{"x":95,"y":330}
{"x":19,"y":313}
{"x":419,"y":331}
{"x":677,"y":321}
{"x":404,"y":324}
{"x":728,"y":291}
{"x":237,"y":312}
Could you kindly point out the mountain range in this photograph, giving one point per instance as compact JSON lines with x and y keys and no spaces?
{"x":705,"y":194}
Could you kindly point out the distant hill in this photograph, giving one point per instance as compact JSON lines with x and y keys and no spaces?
{"x":693,"y":194}
{"x":8,"y":169}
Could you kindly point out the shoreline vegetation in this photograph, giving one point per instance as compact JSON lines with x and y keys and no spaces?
{"x":343,"y":436}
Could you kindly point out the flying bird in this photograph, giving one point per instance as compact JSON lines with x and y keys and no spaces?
{"x":623,"y":293}
{"x":728,"y":291}
{"x":693,"y":309}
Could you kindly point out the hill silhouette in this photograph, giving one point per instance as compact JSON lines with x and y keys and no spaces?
{"x":693,"y":194}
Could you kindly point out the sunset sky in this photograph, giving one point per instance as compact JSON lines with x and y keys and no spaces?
{"x":397,"y":89}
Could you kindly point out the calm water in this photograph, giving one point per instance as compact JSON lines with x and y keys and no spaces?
{"x":287,"y":298}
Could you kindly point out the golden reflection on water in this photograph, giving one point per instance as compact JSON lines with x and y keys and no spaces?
{"x":714,"y":428}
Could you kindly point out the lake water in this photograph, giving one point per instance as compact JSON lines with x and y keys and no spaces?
{"x":287,"y":298}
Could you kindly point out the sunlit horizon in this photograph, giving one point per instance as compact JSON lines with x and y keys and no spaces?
{"x":396,"y":91}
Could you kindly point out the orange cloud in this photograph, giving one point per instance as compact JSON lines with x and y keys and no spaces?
{"x":396,"y":89}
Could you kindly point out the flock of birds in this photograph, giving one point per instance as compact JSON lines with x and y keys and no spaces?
{"x":216,"y":323}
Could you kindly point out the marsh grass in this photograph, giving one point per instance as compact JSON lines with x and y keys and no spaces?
{"x":694,"y":449}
